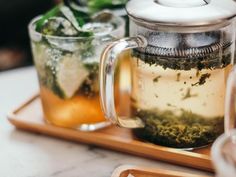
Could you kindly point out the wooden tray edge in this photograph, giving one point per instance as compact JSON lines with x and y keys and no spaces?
{"x":12,"y":114}
{"x":129,"y":169}
{"x":37,"y":128}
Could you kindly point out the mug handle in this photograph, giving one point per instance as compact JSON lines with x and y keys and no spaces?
{"x":230,"y":106}
{"x":108,"y":64}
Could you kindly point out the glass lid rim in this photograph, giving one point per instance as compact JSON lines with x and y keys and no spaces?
{"x":184,"y":28}
{"x":192,"y":20}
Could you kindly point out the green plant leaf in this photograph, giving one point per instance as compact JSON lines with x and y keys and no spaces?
{"x":53,"y":12}
{"x":101,"y":4}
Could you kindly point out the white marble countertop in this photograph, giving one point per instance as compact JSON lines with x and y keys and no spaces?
{"x":23,"y":154}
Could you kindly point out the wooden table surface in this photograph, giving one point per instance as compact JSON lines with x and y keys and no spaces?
{"x":30,"y":155}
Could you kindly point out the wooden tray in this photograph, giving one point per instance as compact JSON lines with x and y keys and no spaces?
{"x":133,"y":171}
{"x":29,"y":117}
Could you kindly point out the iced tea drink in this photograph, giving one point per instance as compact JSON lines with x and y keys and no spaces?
{"x":66,"y":54}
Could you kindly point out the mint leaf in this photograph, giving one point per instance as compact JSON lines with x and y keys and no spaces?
{"x":100,"y":4}
{"x":52,"y":13}
{"x":81,"y":17}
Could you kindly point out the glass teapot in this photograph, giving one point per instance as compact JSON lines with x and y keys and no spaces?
{"x":181,"y":54}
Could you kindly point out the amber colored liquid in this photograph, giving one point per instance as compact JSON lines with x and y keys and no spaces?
{"x":71,"y":112}
{"x":82,"y":109}
{"x":167,"y":93}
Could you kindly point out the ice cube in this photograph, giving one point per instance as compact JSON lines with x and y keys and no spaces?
{"x":103,"y":16}
{"x":66,"y":44}
{"x":108,"y":17}
{"x":99,"y":29}
{"x":58,"y":26}
{"x":70,"y":16}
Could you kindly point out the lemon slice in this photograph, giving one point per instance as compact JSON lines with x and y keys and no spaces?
{"x":70,"y":75}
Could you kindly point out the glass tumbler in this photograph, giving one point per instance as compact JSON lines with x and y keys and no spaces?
{"x":67,"y":70}
{"x":224,"y":155}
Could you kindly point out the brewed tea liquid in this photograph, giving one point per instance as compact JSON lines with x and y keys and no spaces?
{"x":180,"y":108}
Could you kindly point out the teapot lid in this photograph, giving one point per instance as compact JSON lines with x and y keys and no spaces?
{"x":190,"y":13}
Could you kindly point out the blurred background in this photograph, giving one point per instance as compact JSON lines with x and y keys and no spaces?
{"x":14,"y":18}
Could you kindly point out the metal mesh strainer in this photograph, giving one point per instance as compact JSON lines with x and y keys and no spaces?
{"x":184,"y":51}
{"x":194,"y":45}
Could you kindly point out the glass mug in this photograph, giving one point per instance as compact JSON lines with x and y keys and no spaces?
{"x":68,"y":70}
{"x":224,"y":148}
{"x":223,"y":154}
{"x":179,"y":68}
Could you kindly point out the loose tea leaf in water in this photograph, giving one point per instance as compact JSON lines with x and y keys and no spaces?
{"x":202,"y":79}
{"x":188,"y":94}
{"x":187,"y":130}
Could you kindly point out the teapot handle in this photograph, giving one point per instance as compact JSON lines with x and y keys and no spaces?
{"x":230,"y":106}
{"x":108,"y":64}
